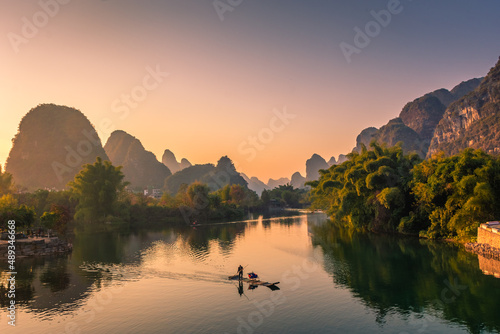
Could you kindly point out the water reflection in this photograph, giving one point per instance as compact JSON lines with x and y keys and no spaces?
{"x":413,"y":279}
{"x":47,"y":285}
{"x":393,"y":274}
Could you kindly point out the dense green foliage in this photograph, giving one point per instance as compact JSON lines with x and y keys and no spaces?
{"x":285,"y":196}
{"x":197,"y":203}
{"x":10,"y":209}
{"x":385,"y":190}
{"x":5,"y":182}
{"x":97,"y":188}
{"x":455,"y":194}
{"x":56,"y":219}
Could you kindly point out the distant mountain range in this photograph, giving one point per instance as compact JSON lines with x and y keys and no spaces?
{"x":313,"y":165}
{"x":216,"y":177}
{"x":417,"y":122}
{"x":53,"y":142}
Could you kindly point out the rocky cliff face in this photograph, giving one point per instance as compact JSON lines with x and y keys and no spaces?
{"x":473,"y":121}
{"x":140,"y":167}
{"x":52,"y":144}
{"x":465,"y":88}
{"x":417,"y":122}
{"x":169,"y":160}
{"x":423,"y":115}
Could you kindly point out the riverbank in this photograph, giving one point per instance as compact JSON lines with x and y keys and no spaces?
{"x":485,"y":250}
{"x":36,"y":247}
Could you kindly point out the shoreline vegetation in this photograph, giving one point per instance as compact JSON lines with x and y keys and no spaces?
{"x":378,"y":190}
{"x":98,"y":201}
{"x":383,"y":190}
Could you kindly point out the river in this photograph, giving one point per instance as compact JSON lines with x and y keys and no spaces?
{"x":331,"y":281}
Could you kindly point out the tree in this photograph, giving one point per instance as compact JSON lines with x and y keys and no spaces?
{"x":265,"y":197}
{"x":5,"y":182}
{"x":237,"y":193}
{"x":23,"y":215}
{"x":96,"y":188}
{"x":456,"y":194}
{"x":369,"y":190}
{"x":57,"y":219}
{"x":198,"y":200}
{"x":197,"y":193}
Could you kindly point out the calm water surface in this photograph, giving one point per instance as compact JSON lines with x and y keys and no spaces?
{"x":331,"y":281}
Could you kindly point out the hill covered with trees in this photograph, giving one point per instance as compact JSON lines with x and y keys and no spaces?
{"x":52,"y":144}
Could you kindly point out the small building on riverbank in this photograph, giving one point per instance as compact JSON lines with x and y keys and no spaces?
{"x":489,"y":233}
{"x":487,"y":248}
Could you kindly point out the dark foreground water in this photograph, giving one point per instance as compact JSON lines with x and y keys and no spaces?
{"x":332,"y":281}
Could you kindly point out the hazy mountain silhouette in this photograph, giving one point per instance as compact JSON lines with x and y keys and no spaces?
{"x":313,"y":165}
{"x":52,"y":144}
{"x":255,"y":184}
{"x":140,"y":167}
{"x":272,"y":183}
{"x":170,"y":161}
{"x":215,"y":177}
{"x":298,"y":180}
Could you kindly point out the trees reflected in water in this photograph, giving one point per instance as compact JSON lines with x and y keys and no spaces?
{"x":406,"y":275}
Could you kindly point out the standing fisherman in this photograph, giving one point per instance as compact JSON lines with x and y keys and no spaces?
{"x":240,"y":272}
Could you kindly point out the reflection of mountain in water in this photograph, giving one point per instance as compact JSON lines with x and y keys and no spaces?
{"x":409,"y":275}
{"x":50,"y":283}
{"x":63,"y":283}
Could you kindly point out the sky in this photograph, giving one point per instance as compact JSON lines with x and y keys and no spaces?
{"x":267,"y":83}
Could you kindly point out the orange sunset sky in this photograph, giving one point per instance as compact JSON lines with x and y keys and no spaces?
{"x":230,"y":71}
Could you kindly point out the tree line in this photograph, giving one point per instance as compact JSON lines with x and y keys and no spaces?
{"x":98,"y":200}
{"x":382,"y":189}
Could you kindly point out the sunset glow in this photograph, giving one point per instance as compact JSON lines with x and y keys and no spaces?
{"x":227,"y":78}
